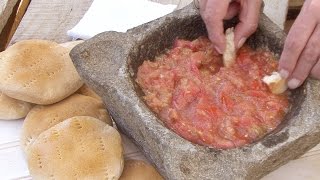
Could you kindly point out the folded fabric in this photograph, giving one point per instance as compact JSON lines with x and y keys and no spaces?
{"x":117,"y":15}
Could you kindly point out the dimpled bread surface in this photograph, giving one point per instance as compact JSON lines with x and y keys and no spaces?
{"x":38,"y":71}
{"x":12,"y":108}
{"x":41,"y":118}
{"x":78,"y":148}
{"x":139,"y":170}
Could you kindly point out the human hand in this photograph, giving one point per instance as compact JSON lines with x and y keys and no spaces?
{"x":213,"y":12}
{"x":301,"y":53}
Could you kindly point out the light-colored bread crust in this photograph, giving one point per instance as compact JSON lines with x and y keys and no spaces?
{"x":139,"y":170}
{"x":85,"y":90}
{"x":38,"y":71}
{"x":229,"y":54}
{"x":12,"y":108}
{"x":276,"y":83}
{"x":78,"y":148}
{"x":41,"y":118}
{"x":70,"y":45}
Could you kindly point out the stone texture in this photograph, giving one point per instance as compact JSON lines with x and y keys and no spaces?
{"x":108,"y":63}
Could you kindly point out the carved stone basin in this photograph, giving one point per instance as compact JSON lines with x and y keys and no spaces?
{"x":109,"y":61}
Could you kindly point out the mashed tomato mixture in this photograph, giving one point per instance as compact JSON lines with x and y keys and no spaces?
{"x":208,"y":104}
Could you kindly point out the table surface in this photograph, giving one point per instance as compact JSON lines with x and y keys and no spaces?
{"x":50,"y":20}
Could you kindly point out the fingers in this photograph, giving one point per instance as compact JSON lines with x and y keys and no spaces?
{"x":308,"y":58}
{"x":233,"y":10}
{"x":296,"y":40}
{"x":249,"y":17}
{"x":202,"y":4}
{"x":213,"y":13}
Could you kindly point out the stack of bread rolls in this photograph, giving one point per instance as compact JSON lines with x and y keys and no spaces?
{"x":67,"y":132}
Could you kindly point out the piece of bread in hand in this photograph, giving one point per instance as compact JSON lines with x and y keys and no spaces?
{"x":139,"y":170}
{"x":12,"y":108}
{"x":81,"y":147}
{"x":38,"y":71}
{"x":276,"y":83}
{"x":229,"y":54}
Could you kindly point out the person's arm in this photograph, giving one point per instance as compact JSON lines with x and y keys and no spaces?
{"x":213,"y":13}
{"x":301,"y":53}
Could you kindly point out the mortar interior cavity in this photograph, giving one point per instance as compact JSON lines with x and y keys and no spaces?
{"x":157,"y":41}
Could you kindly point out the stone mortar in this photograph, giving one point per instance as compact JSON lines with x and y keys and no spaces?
{"x":108,"y":63}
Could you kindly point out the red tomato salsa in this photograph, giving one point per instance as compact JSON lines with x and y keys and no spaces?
{"x":208,"y":104}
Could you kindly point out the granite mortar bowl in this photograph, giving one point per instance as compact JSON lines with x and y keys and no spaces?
{"x":108,"y":63}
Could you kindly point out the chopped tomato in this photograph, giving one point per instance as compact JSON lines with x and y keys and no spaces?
{"x":208,"y":104}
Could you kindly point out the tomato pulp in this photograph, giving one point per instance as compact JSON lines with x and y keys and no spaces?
{"x":208,"y":104}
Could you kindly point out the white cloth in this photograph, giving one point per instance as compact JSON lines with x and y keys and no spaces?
{"x":12,"y":162}
{"x":117,"y":15}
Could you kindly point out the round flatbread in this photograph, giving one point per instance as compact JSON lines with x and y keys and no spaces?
{"x":77,"y":148}
{"x":38,"y":71}
{"x":137,"y":169}
{"x":12,"y":108}
{"x":41,"y":118}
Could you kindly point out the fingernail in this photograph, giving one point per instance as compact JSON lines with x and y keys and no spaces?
{"x":294,"y":83}
{"x":284,"y":73}
{"x":241,"y":42}
{"x":218,"y":49}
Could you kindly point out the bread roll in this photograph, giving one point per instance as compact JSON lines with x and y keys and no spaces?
{"x":139,"y":170}
{"x":229,"y":54}
{"x":42,"y":118}
{"x":85,"y":90}
{"x":78,"y":148}
{"x":38,"y":71}
{"x":12,"y":108}
{"x":276,"y":83}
